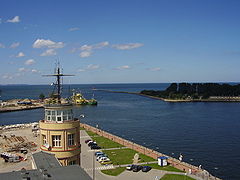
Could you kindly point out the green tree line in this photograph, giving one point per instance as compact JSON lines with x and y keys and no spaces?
{"x":195,"y":91}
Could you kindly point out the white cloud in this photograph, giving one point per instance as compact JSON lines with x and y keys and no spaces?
{"x":29,"y":62}
{"x":14,"y":45}
{"x":2,"y":45}
{"x":34,"y":71}
{"x":123,"y":67}
{"x":0,"y":20}
{"x":92,"y":66}
{"x":20,"y":54}
{"x":47,"y":43}
{"x":94,"y":46}
{"x":81,"y":70}
{"x":16,"y":19}
{"x":86,"y":48}
{"x":101,"y":45}
{"x":73,"y":29}
{"x":85,"y":54}
{"x":22,"y":69}
{"x":127,"y":46}
{"x":7,"y":76}
{"x":49,"y":52}
{"x":155,"y":69}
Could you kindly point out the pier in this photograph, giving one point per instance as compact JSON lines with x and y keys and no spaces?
{"x":19,"y":108}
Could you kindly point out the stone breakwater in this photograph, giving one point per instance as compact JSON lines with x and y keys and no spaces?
{"x":191,"y":169}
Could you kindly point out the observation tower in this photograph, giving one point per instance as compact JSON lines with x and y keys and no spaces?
{"x":59,"y":130}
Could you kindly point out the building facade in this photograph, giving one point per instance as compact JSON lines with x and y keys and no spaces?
{"x":60,"y":134}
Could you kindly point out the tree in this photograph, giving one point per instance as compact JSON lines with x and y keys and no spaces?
{"x":41,"y":96}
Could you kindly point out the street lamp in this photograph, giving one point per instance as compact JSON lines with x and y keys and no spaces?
{"x":81,"y":116}
{"x":93,"y":167}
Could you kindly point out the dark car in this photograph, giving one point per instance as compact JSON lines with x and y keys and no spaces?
{"x":92,"y":144}
{"x":137,"y":168}
{"x":87,"y":141}
{"x":95,"y":147}
{"x":146,"y":168}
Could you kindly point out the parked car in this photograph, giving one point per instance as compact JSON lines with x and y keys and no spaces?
{"x":87,"y":140}
{"x":106,"y":162}
{"x":98,"y":153}
{"x":146,"y":168}
{"x":130,"y":167}
{"x":101,"y":159}
{"x":92,"y":143}
{"x":137,"y":168}
{"x":100,"y":156}
{"x":95,"y":147}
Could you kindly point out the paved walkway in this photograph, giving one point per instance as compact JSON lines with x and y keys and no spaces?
{"x":90,"y":165}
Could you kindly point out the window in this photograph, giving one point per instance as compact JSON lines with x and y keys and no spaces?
{"x":59,"y":118}
{"x":56,"y":140}
{"x":71,"y":139}
{"x":72,"y":162}
{"x":48,"y":112}
{"x":44,"y":139}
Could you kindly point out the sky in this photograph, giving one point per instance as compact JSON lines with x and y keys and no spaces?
{"x":125,"y":41}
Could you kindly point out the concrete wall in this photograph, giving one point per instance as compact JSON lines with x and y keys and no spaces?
{"x":154,"y":154}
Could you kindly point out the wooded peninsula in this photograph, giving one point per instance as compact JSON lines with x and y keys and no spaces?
{"x":183,"y":92}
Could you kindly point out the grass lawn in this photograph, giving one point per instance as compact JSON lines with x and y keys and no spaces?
{"x":164,"y":168}
{"x":81,"y":128}
{"x":125,"y":156}
{"x":106,"y":143}
{"x":114,"y":172}
{"x":176,"y":177}
{"x":90,"y":133}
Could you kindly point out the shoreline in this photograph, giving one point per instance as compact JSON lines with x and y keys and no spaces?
{"x":19,"y":108}
{"x":174,"y":100}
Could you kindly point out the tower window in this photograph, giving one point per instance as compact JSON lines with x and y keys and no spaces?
{"x":71,"y":140}
{"x":72,"y":162}
{"x":44,"y":139}
{"x":56,"y":140}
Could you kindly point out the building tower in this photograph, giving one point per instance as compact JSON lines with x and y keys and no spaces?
{"x":59,"y":131}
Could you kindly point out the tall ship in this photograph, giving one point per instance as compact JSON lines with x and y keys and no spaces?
{"x":59,"y":130}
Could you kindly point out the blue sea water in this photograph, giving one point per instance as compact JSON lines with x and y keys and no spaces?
{"x":206,"y":134}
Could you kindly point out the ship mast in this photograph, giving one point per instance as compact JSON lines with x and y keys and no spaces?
{"x":58,"y":74}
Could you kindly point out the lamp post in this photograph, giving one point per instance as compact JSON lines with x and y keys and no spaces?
{"x":80,"y":161}
{"x":132,"y":143}
{"x":93,"y":167}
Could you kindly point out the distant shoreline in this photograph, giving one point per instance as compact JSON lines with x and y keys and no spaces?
{"x":172,"y":100}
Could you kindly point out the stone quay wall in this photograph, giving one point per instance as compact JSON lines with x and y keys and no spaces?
{"x":191,"y":169}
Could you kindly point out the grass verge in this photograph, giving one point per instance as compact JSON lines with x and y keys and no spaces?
{"x":176,"y":177}
{"x":125,"y":156}
{"x":114,"y":172}
{"x":106,"y":143}
{"x":164,"y":168}
{"x":90,"y":133}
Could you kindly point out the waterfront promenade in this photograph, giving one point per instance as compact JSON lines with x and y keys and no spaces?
{"x":188,"y":168}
